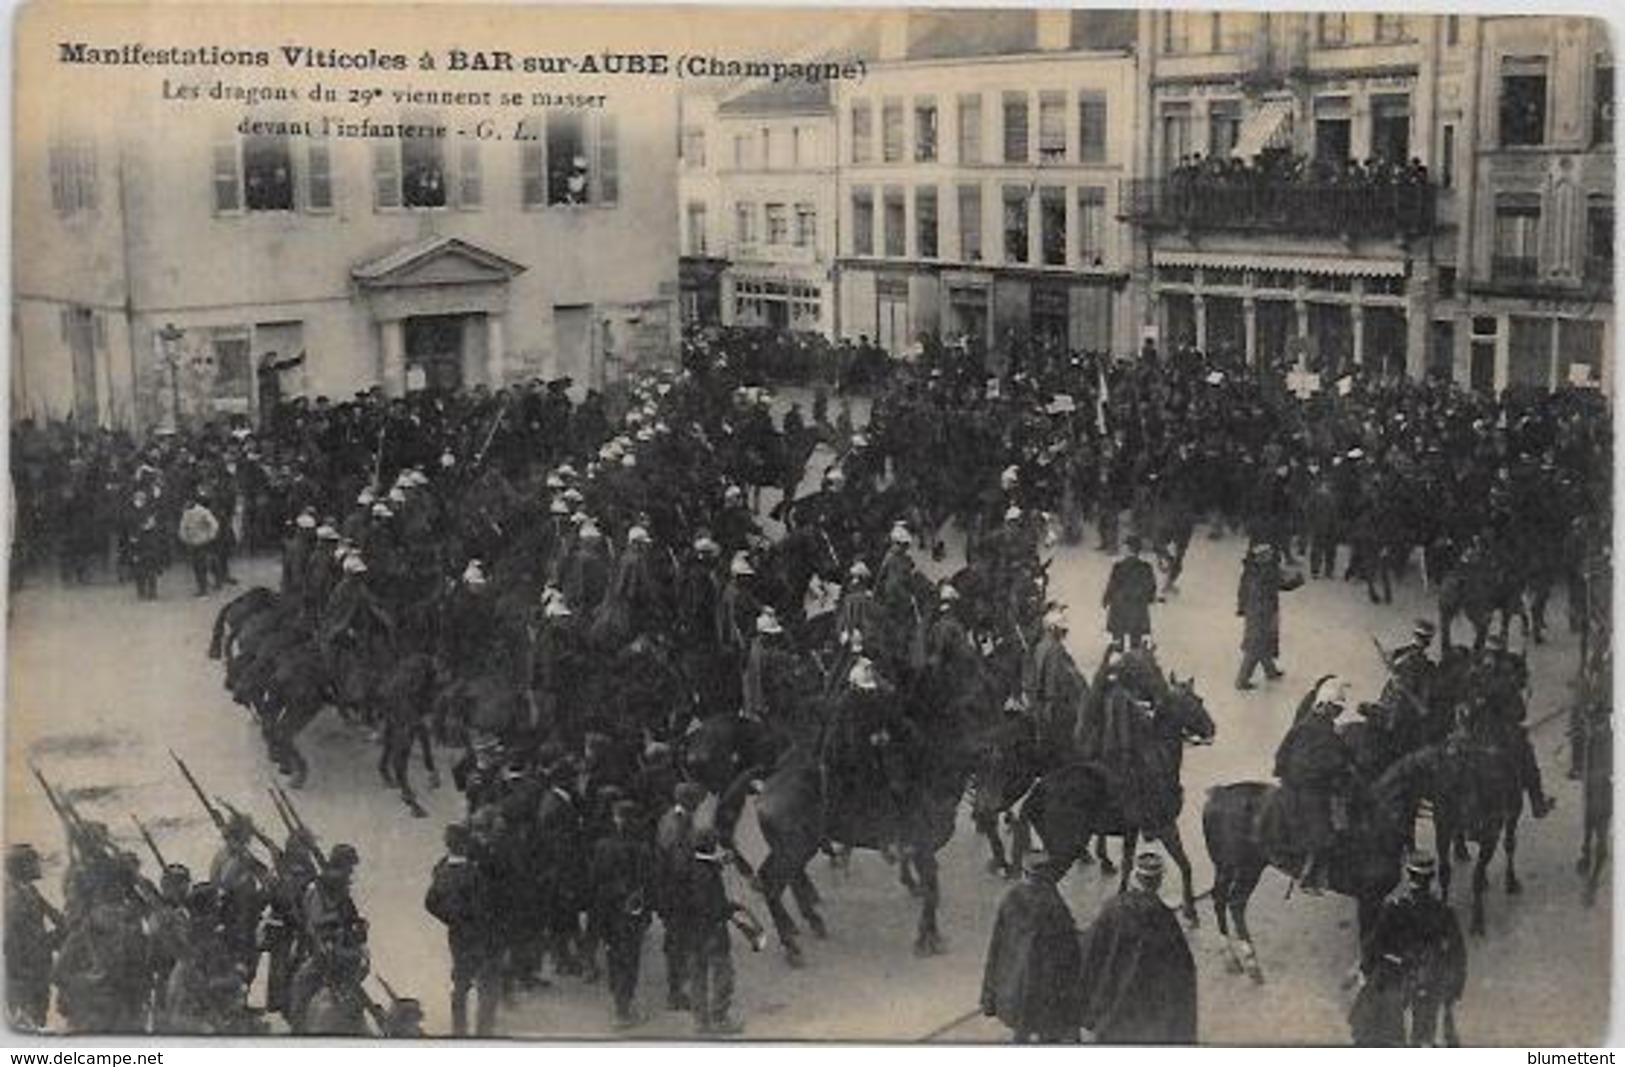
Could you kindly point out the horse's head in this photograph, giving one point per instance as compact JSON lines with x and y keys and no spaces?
{"x":1185,"y":710}
{"x":1005,"y":768}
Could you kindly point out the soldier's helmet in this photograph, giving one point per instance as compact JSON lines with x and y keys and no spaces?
{"x":238,"y":828}
{"x":23,"y":863}
{"x":344,"y":857}
{"x":708,"y":845}
{"x":177,"y":879}
{"x":1421,"y":867}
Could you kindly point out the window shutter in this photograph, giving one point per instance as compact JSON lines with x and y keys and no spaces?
{"x":532,"y":175}
{"x":609,"y":161}
{"x":227,"y":177}
{"x":470,"y":183}
{"x":386,"y":174}
{"x":319,"y":177}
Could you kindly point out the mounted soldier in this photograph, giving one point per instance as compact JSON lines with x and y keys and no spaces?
{"x":1498,"y":682}
{"x":1055,"y":689}
{"x":1316,"y":773}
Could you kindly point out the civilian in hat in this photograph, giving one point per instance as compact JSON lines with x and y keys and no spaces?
{"x":708,"y":913}
{"x":199,"y":530}
{"x":1413,"y":967}
{"x":621,"y":872}
{"x":1130,"y":591}
{"x":1258,"y":602}
{"x":460,"y":896}
{"x":674,"y":862}
{"x":1032,"y":970}
{"x":1138,"y":982}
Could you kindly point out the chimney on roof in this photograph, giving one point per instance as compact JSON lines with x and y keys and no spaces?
{"x":894,"y":35}
{"x":1054,"y":29}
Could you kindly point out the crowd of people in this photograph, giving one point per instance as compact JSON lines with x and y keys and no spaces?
{"x":1281,"y":166}
{"x":581,"y":594}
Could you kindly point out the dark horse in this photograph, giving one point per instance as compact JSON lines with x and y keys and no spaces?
{"x":1364,"y":864}
{"x":235,"y":614}
{"x":1081,"y":800}
{"x":913,"y":806}
{"x":1480,"y":586}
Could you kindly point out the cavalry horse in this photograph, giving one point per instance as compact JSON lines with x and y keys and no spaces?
{"x":1084,"y":799}
{"x":1480,"y":585}
{"x":1364,"y":864}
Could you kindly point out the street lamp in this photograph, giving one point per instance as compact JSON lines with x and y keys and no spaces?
{"x":169,"y":339}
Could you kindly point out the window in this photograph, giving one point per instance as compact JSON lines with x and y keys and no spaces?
{"x":1392,"y":28}
{"x":1599,"y":264}
{"x":767,"y":149}
{"x":1091,"y":225}
{"x":692,"y":146}
{"x":233,"y":385}
{"x":744,"y":224}
{"x":72,"y":166}
{"x":318,"y":175}
{"x":795,"y":146}
{"x":1517,"y":236}
{"x":891,"y":131}
{"x":1332,"y":29}
{"x":1052,"y":225}
{"x":422,"y":168}
{"x":1051,"y":127}
{"x":1015,"y":127}
{"x":470,"y":186}
{"x":1523,"y":100}
{"x":1091,"y":127}
{"x":1602,"y":102}
{"x":925,"y":131}
{"x":1224,"y":128}
{"x":1446,"y":283}
{"x":1015,"y":224}
{"x":1176,"y":30}
{"x":863,"y":132}
{"x":1176,"y":135}
{"x":1332,"y":130}
{"x":970,"y":223}
{"x":566,"y":158}
{"x":1234,"y":31}
{"x":1452,"y":30}
{"x":741,"y":151}
{"x":577,"y":162}
{"x":970,"y":129}
{"x":925,"y":222}
{"x":697,"y":238}
{"x":896,"y":222}
{"x":863,"y":222}
{"x":267,"y":174}
{"x":778,"y":224}
{"x":806,"y":225}
{"x":1447,"y":156}
{"x":1391,"y":128}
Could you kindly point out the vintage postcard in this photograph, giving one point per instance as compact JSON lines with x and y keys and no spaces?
{"x":900,"y":525}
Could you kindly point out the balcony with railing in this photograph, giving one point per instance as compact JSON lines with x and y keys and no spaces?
{"x":1198,"y":204}
{"x":1514,"y":268}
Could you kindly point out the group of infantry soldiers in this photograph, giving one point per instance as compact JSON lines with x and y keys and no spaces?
{"x":180,"y":956}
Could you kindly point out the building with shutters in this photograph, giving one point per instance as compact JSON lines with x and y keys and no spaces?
{"x":208,"y":271}
{"x":980,"y":163}
{"x":1388,"y":190}
{"x":757,"y":196}
{"x":1532,"y":300}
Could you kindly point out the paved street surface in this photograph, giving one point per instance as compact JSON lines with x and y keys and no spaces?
{"x":101,"y":685}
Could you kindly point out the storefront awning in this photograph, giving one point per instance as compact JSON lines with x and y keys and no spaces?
{"x":1268,"y":127}
{"x":1340,"y":266}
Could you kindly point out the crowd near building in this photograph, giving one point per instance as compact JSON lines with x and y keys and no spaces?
{"x":210,"y":271}
{"x":1418,"y":195}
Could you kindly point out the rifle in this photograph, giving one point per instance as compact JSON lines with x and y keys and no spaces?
{"x":295,"y":824}
{"x":152,"y":846}
{"x":78,"y":834}
{"x":197,"y":790}
{"x":259,"y":835}
{"x":59,"y":920}
{"x":479,"y":457}
{"x":1404,"y":690}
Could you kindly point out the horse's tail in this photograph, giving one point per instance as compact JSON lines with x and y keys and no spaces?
{"x":217,"y":640}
